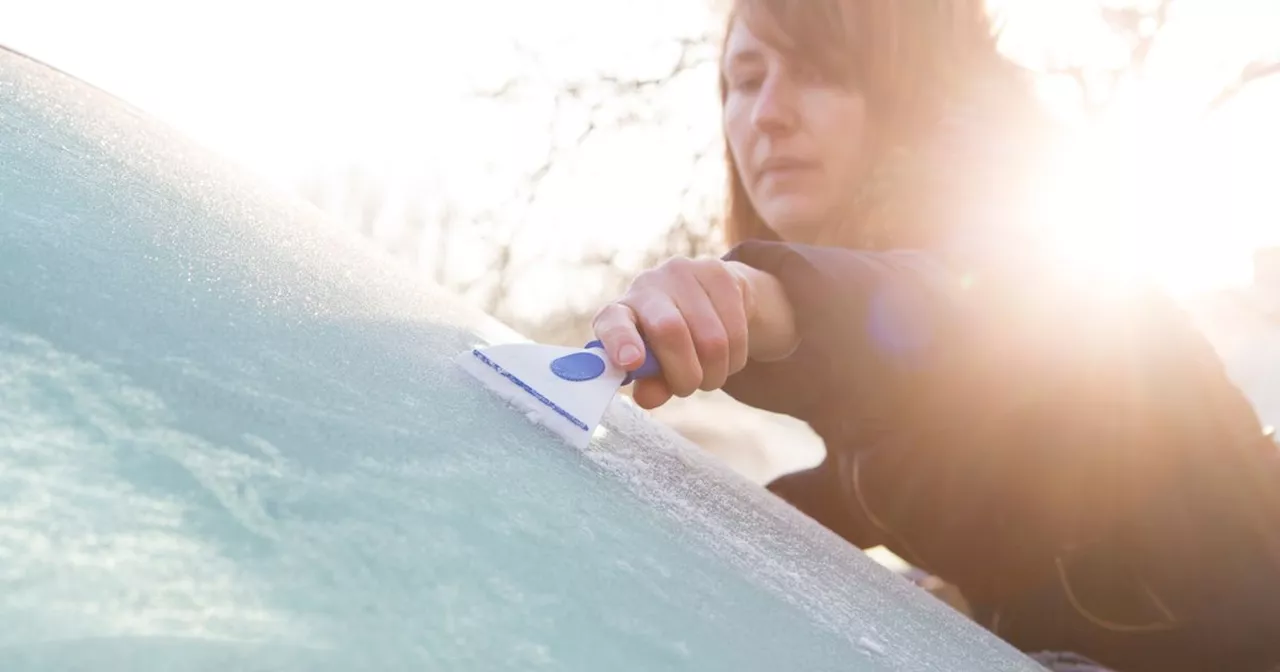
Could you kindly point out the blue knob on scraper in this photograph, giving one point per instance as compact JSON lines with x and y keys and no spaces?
{"x":579,"y":367}
{"x":650,"y":368}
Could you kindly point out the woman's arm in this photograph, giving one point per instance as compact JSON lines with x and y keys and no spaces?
{"x":839,"y":326}
{"x":1014,"y":409}
{"x":771,"y":322}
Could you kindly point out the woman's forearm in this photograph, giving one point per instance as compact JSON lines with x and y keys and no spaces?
{"x":771,"y":319}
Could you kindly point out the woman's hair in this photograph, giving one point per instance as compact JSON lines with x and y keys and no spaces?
{"x":909,"y":58}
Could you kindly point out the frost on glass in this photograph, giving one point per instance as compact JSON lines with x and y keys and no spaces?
{"x":233,"y":438}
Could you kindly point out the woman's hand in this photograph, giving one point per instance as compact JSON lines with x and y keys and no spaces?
{"x":703,"y":319}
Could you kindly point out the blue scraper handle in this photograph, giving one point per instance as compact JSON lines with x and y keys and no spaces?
{"x":650,"y":368}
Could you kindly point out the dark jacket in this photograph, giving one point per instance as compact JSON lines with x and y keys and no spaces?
{"x":1077,"y":463}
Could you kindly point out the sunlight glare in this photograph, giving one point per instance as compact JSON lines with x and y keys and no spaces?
{"x":1087,"y":216}
{"x":1132,"y":202}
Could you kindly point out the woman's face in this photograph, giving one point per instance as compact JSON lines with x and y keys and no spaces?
{"x":797,"y":139}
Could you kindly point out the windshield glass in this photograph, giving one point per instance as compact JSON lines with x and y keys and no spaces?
{"x":232,"y":438}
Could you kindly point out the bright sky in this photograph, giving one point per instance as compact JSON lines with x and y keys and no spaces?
{"x":1191,"y":199}
{"x":298,"y":90}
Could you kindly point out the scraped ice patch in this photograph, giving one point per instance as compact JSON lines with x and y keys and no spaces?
{"x":85,"y":552}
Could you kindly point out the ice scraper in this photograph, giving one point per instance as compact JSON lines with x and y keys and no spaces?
{"x":564,"y":389}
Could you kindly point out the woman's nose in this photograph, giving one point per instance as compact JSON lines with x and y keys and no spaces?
{"x":775,"y":110}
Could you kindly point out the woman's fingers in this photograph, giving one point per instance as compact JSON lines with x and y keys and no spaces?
{"x":651,"y":393}
{"x":710,"y":341}
{"x":615,"y":326}
{"x":667,"y":331}
{"x":692,"y":315}
{"x":723,"y":288}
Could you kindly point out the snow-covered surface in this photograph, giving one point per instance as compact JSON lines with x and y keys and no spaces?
{"x":234,"y":438}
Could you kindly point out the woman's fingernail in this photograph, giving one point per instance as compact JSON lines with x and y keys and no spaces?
{"x":628,"y":354}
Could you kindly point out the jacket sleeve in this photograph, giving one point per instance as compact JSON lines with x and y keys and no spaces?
{"x":868,"y":323}
{"x":1013,"y":408}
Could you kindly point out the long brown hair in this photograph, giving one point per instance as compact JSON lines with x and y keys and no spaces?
{"x":909,"y":58}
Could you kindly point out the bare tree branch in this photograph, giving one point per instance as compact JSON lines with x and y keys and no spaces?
{"x":509,"y":88}
{"x":603,"y":101}
{"x":1139,"y":26}
{"x":1249,"y":75}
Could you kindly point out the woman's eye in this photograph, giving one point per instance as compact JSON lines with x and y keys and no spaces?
{"x":809,"y":73}
{"x":746,"y":83}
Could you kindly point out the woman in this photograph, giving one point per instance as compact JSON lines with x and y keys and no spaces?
{"x":1078,"y":464}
